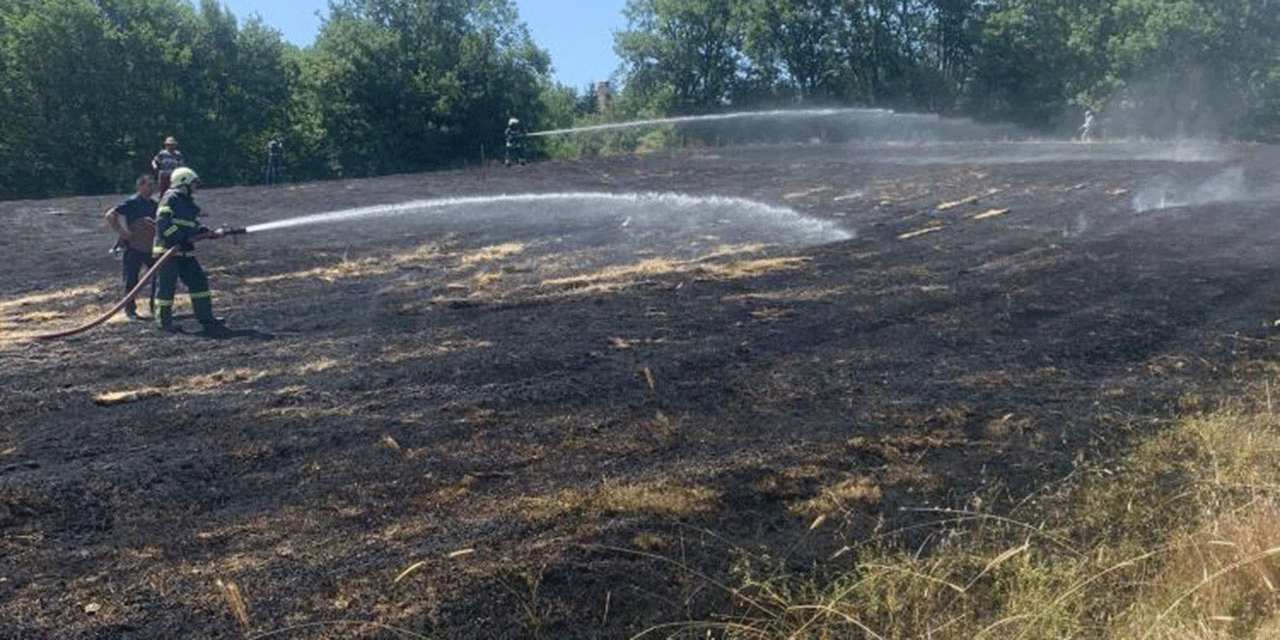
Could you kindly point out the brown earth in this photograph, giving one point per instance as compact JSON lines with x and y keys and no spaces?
{"x":472,"y":432}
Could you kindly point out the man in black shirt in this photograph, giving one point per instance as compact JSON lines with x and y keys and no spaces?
{"x":134,"y":223}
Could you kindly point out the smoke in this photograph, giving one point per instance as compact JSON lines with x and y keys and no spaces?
{"x":1192,"y":104}
{"x":1166,"y":192}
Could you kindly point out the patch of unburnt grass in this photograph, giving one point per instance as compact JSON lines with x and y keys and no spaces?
{"x":345,"y":269}
{"x":609,"y":497}
{"x":724,"y":263}
{"x":1176,"y":537}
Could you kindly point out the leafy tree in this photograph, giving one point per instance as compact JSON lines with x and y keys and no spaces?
{"x":1024,"y":64}
{"x":89,"y":88}
{"x":792,"y":46}
{"x":686,"y":54}
{"x":415,"y":85}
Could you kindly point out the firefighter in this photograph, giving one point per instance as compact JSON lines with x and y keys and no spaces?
{"x":515,"y":142}
{"x":134,"y":223}
{"x":275,"y":154}
{"x":177,"y":226}
{"x":1086,"y":129}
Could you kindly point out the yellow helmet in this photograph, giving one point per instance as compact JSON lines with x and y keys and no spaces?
{"x":183,"y":177}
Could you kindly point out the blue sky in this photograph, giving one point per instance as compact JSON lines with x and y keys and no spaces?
{"x":578,"y":35}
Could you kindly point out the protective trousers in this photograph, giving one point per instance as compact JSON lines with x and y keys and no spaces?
{"x":515,"y":153}
{"x":188,"y":269}
{"x":273,"y":170}
{"x":134,"y":261}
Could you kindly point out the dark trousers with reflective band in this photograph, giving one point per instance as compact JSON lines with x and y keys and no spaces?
{"x":133,"y":261}
{"x":515,"y":153}
{"x":188,"y":269}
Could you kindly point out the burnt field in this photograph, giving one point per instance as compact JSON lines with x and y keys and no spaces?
{"x":572,"y":416}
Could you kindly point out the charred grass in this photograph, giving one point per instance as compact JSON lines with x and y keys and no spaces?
{"x":963,"y":433}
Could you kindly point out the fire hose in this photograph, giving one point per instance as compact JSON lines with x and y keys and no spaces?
{"x":142,"y":282}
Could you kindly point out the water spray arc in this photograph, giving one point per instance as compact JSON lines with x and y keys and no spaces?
{"x":623,"y":216}
{"x":740,"y":115}
{"x":809,"y":228}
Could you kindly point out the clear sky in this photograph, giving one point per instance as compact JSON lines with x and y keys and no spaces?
{"x":579,"y":35}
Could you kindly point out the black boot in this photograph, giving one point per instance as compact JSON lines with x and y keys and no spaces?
{"x":164,"y":319}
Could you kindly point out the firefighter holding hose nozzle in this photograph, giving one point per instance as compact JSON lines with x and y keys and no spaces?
{"x":177,"y":226}
{"x":514,"y":137}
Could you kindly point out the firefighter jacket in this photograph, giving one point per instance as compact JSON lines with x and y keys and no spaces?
{"x":176,"y":223}
{"x":514,"y":136}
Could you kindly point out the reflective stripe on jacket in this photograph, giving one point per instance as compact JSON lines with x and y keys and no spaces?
{"x":176,"y":222}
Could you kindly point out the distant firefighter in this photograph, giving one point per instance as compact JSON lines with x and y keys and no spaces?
{"x":1086,"y":129}
{"x":275,"y":155}
{"x":515,"y":142}
{"x":168,"y":159}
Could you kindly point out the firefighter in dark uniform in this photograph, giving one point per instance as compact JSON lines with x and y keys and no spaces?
{"x":275,"y":154}
{"x":177,"y":226}
{"x":129,"y":220}
{"x":515,"y":142}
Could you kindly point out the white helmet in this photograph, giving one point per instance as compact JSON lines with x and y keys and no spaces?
{"x":513,"y":122}
{"x":183,"y":177}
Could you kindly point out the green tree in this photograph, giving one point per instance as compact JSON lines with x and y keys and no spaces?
{"x":409,"y":86}
{"x":683,"y":55}
{"x":1024,"y":65}
{"x":792,"y":46}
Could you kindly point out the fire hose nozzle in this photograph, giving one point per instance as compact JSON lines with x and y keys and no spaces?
{"x":231,"y":231}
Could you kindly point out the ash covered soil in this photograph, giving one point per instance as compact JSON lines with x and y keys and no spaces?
{"x":521,"y":418}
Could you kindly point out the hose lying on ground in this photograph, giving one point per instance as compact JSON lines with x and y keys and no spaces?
{"x":142,"y":282}
{"x":146,"y":277}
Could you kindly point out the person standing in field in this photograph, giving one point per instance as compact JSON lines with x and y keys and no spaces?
{"x":275,"y":155}
{"x":1086,"y":129}
{"x":168,"y":159}
{"x":515,"y":142}
{"x":178,"y":228}
{"x":134,"y":223}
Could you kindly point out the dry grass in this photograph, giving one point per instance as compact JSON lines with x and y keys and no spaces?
{"x":40,"y":299}
{"x":215,"y":382}
{"x":839,"y":498}
{"x":319,"y":365}
{"x":22,"y":318}
{"x":345,"y":270}
{"x":490,"y":254}
{"x":613,"y":497}
{"x":112,"y":398}
{"x":790,"y":295}
{"x":397,"y":354}
{"x":351,"y":268}
{"x":723,"y":264}
{"x":1177,"y":539}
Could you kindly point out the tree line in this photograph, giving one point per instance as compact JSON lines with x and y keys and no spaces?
{"x":1148,"y":67}
{"x":89,"y":88}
